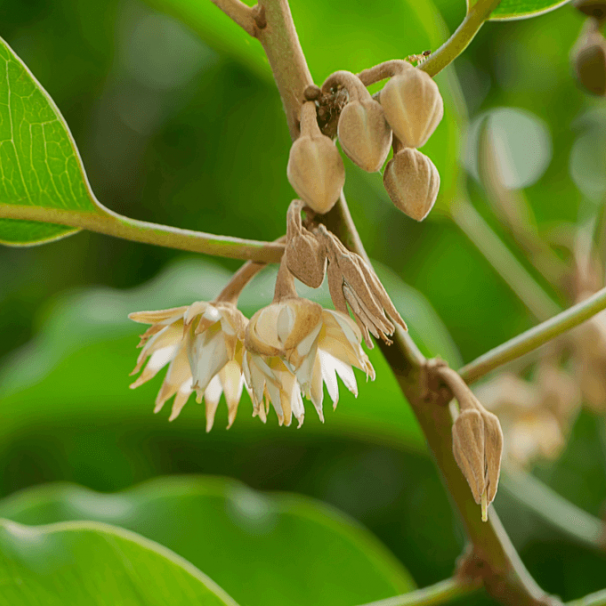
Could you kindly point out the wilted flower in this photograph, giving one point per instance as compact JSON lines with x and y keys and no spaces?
{"x":202,"y":345}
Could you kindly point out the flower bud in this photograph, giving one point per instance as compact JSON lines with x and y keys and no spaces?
{"x":589,"y":59}
{"x":304,"y":254}
{"x":315,"y":167}
{"x":468,"y":450}
{"x":413,"y":106}
{"x":364,"y":134}
{"x":412,"y":182}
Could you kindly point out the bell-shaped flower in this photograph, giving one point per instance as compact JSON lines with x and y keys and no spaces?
{"x":202,"y":346}
{"x":313,"y":344}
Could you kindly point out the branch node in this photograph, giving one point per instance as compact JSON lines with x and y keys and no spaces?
{"x":258,"y":14}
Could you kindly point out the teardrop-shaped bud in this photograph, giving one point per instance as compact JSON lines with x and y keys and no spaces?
{"x":412,"y":182}
{"x":364,"y":134}
{"x":413,"y":106}
{"x":306,"y":260}
{"x":592,"y":8}
{"x":315,"y":167}
{"x":589,"y":59}
{"x":468,"y":447}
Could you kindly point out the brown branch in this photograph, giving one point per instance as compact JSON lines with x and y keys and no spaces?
{"x":493,"y":558}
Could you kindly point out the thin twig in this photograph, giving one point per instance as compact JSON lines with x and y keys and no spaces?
{"x":443,"y":592}
{"x":460,"y":40}
{"x":502,"y":259}
{"x":112,"y":224}
{"x":240,"y":13}
{"x":535,"y":337}
{"x":555,"y":509}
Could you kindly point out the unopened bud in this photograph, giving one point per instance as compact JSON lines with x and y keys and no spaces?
{"x":412,"y":182}
{"x":304,"y":254}
{"x":589,"y":60}
{"x":364,"y":134}
{"x":315,"y":167}
{"x":413,"y":106}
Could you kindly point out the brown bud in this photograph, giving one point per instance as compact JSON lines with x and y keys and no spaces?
{"x":592,"y":8}
{"x":304,"y":254}
{"x":412,"y":182}
{"x":315,"y":167}
{"x":589,"y":59}
{"x":413,"y":106}
{"x":468,"y":450}
{"x":364,"y":134}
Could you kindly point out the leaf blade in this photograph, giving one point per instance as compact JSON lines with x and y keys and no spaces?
{"x":39,"y":161}
{"x":511,"y":10}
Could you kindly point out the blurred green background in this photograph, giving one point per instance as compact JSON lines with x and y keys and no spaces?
{"x":186,"y":130}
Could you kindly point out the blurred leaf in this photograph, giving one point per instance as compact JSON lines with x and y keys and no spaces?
{"x":78,"y":564}
{"x":521,"y":9}
{"x":40,"y":162}
{"x":263,"y":549}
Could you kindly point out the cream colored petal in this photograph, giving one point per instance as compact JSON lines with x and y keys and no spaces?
{"x":276,"y":400}
{"x":208,"y":356}
{"x":329,"y":376}
{"x":195,"y":309}
{"x":233,"y":383}
{"x":306,"y":344}
{"x":164,"y":316}
{"x":158,"y":360}
{"x":177,"y":374}
{"x":347,"y":376}
{"x":180,"y":399}
{"x":317,"y":387}
{"x":212,"y":395}
{"x":285,"y":323}
{"x":305,"y":371}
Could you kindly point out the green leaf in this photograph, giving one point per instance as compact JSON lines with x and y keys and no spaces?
{"x":39,"y":162}
{"x":521,"y":9}
{"x":265,"y":550}
{"x":79,"y":564}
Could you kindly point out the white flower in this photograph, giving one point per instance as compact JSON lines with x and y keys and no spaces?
{"x":202,"y":346}
{"x":298,"y":337}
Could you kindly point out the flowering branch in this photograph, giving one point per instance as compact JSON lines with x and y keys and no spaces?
{"x":441,"y":593}
{"x":460,"y":40}
{"x":113,"y":224}
{"x":535,"y":337}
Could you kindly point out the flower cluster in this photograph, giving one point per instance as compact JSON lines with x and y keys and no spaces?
{"x":288,"y":350}
{"x":405,"y":115}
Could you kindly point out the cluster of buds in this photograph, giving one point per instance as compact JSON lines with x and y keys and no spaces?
{"x":589,"y":53}
{"x":287,"y":351}
{"x":407,"y":112}
{"x":477,"y":438}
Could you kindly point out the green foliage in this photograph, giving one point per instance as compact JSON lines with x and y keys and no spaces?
{"x":521,"y":9}
{"x":39,"y":161}
{"x":265,"y":550}
{"x":78,"y":564}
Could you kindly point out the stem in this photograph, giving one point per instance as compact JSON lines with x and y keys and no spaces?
{"x":555,"y":509}
{"x":240,"y":13}
{"x":281,"y":44}
{"x":443,"y":592}
{"x":594,"y":599}
{"x":239,"y":280}
{"x":501,"y":258}
{"x":494,"y":558}
{"x":388,"y":69}
{"x":460,"y":40}
{"x":535,"y":337}
{"x":113,"y":224}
